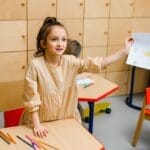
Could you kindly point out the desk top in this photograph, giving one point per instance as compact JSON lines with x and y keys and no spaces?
{"x":66,"y":134}
{"x":100,"y":89}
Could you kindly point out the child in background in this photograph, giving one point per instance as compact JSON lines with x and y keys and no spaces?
{"x":73,"y":48}
{"x":50,"y":81}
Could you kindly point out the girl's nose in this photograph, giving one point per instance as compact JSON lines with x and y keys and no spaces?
{"x":59,"y":43}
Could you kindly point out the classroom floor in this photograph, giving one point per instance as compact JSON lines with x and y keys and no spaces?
{"x":115,"y":130}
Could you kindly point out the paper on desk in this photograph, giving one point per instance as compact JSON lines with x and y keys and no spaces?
{"x":85,"y":81}
{"x":139,"y":54}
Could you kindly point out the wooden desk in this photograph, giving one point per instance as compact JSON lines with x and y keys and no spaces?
{"x":95,"y":92}
{"x":66,"y":134}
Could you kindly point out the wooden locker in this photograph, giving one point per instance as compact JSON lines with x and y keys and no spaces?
{"x":74,"y":28}
{"x":120,"y":78}
{"x":95,"y":32}
{"x":142,"y":8}
{"x":13,"y":36}
{"x":94,"y":51}
{"x":121,"y":8}
{"x":13,"y":9}
{"x":11,"y":94}
{"x":141,"y":80}
{"x":117,"y":66}
{"x":12,"y":66}
{"x":119,"y":30}
{"x":70,"y":8}
{"x":39,"y":9}
{"x":97,"y":8}
{"x":141,"y":25}
{"x":32,"y":34}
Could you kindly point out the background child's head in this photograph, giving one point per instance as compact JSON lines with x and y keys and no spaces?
{"x":73,"y":48}
{"x":47,"y":27}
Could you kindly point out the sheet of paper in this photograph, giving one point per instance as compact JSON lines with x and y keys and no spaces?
{"x":85,"y":81}
{"x":139,"y":54}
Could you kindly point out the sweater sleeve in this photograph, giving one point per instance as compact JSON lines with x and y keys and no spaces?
{"x":90,"y":64}
{"x":31,"y":95}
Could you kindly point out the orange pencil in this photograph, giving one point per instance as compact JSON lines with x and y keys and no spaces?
{"x":4,"y":137}
{"x":10,"y":137}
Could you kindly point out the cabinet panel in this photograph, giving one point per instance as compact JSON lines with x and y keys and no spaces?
{"x":120,"y":78}
{"x":121,"y":8}
{"x":12,"y":66}
{"x":70,"y":8}
{"x":96,"y":8}
{"x":141,"y":25}
{"x":117,"y":66}
{"x":13,"y":35}
{"x":119,"y":29}
{"x":32,"y":34}
{"x":12,"y":9}
{"x":39,"y":9}
{"x":141,"y":80}
{"x":74,"y":28}
{"x":95,"y":32}
{"x":94,"y":51}
{"x":11,"y":95}
{"x":142,"y":8}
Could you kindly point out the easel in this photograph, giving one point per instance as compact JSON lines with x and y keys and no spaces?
{"x":129,"y":98}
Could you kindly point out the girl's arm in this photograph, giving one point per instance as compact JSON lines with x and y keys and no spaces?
{"x":118,"y":55}
{"x":38,"y":129}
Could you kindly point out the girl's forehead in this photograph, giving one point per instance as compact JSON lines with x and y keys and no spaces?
{"x":58,"y":30}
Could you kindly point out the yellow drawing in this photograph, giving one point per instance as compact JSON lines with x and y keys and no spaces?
{"x":147,"y":54}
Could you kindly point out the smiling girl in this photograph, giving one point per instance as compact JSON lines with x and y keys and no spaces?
{"x":50,"y":82}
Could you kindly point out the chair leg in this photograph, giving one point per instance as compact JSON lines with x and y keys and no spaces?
{"x":138,"y":129}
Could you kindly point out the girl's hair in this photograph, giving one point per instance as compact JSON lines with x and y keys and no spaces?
{"x":45,"y":29}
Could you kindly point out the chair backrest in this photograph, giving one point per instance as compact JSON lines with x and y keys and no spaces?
{"x":148,"y":96}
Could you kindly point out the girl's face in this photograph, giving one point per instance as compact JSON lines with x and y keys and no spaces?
{"x":56,"y":41}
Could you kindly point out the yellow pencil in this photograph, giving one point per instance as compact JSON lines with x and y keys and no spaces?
{"x":48,"y":145}
{"x":10,"y":137}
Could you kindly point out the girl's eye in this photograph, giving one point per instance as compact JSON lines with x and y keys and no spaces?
{"x":64,"y":39}
{"x":54,"y":39}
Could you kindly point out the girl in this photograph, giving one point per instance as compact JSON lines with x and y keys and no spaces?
{"x":50,"y":82}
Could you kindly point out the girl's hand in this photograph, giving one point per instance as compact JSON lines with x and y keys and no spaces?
{"x":128,"y":43}
{"x":40,"y":131}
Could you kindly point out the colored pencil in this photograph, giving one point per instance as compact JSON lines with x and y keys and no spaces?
{"x":10,"y":137}
{"x":24,"y":141}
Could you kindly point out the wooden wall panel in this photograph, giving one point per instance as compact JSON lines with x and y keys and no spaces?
{"x":13,"y":9}
{"x":12,"y":66}
{"x":11,"y":96}
{"x":142,"y":8}
{"x":14,"y":36}
{"x":39,"y":9}
{"x":121,"y":8}
{"x":95,"y":32}
{"x":70,"y":8}
{"x":97,"y":8}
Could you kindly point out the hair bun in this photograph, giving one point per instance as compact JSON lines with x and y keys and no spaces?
{"x":49,"y":20}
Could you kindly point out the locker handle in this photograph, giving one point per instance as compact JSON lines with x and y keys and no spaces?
{"x":23,"y":36}
{"x":23,"y":67}
{"x":22,"y":4}
{"x":53,"y":4}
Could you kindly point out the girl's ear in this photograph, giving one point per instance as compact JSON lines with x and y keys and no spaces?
{"x":42,"y":43}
